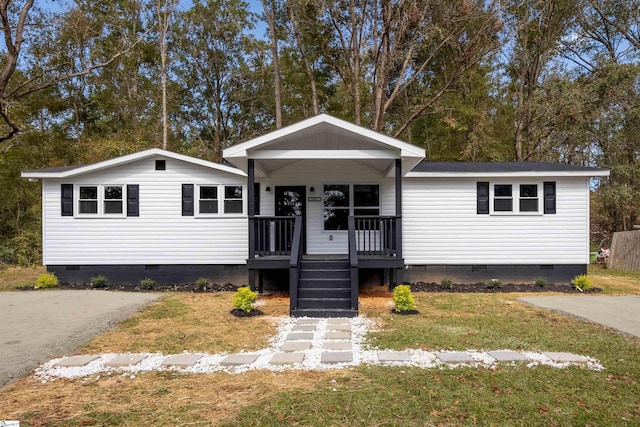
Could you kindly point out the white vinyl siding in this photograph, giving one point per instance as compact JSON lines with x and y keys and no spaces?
{"x":160,"y":235}
{"x":441,"y":226}
{"x":317,"y":173}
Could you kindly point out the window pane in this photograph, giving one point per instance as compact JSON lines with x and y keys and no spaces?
{"x":528,"y":205}
{"x":366,"y":195}
{"x":336,"y":219}
{"x":112,"y":207}
{"x":89,"y":207}
{"x":502,"y":190}
{"x":366,"y":212}
{"x":502,"y":205}
{"x":233,"y":192}
{"x":233,"y":206}
{"x":90,"y":193}
{"x":336,"y":195}
{"x":113,"y":192}
{"x":529,"y":191}
{"x":209,"y":192}
{"x":208,"y":206}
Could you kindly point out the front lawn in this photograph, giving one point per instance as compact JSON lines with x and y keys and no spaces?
{"x":361,"y":396}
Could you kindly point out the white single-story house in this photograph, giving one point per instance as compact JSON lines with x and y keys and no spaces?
{"x":319,"y":204}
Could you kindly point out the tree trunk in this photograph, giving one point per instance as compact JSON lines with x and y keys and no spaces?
{"x":270,"y":13}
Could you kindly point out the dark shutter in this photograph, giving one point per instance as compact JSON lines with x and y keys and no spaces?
{"x":549,"y":197}
{"x":483,"y":198}
{"x":187,"y":199}
{"x":66,"y":197}
{"x":133,"y":191}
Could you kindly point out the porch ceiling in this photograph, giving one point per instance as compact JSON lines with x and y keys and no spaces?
{"x":264,"y":167}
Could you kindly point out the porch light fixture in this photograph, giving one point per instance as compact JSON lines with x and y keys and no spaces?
{"x":267,"y":189}
{"x":312,"y":189}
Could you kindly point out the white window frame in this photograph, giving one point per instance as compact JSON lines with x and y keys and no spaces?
{"x":221,"y":199}
{"x":351,"y":208}
{"x":224,"y":199}
{"x":100,"y":188}
{"x":515,"y":197}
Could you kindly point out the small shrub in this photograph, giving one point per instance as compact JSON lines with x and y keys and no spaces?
{"x":494,"y":283}
{"x":540,"y":281}
{"x":582,"y":283}
{"x":202,"y":283}
{"x":147,"y":284}
{"x":46,"y":280}
{"x":403,"y":298}
{"x":447,"y":282}
{"x":244,"y":299}
{"x":99,"y":281}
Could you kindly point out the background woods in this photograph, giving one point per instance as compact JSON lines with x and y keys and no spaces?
{"x":470,"y":80}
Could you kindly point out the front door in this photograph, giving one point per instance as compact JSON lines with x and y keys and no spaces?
{"x":291,"y":201}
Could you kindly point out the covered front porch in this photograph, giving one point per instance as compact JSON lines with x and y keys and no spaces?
{"x":324,"y":203}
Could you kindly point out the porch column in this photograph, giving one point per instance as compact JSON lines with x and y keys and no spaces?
{"x":251,"y":210}
{"x":397,"y":274}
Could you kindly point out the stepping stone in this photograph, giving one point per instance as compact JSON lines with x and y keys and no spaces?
{"x":338,"y":327}
{"x":126,"y":360}
{"x":394,"y":356}
{"x":286,"y":358}
{"x":337,"y":335}
{"x":330,"y":357}
{"x":454,"y":357}
{"x":307,"y":321}
{"x":295,"y":346}
{"x":338,"y":321}
{"x":508,"y":356}
{"x":557,"y":356}
{"x":238,"y":359}
{"x":300,"y":336}
{"x":181,"y":360}
{"x":303,"y":328}
{"x":337,"y":345}
{"x":75,"y":361}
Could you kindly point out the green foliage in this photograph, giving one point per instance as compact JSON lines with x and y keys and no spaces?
{"x":540,"y":281}
{"x":202,"y":283}
{"x":494,"y":283}
{"x":403,"y":298}
{"x":447,"y":282}
{"x":582,"y":283}
{"x":244,"y":299}
{"x":46,"y":280}
{"x":99,"y":281}
{"x":147,"y":284}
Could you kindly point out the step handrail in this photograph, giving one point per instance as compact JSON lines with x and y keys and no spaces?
{"x":353,"y":261}
{"x":294,"y":263}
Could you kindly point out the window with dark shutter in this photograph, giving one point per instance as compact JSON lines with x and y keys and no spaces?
{"x":549,"y":197}
{"x":483,"y":198}
{"x":66,"y":197}
{"x":187,"y":199}
{"x":133,"y":191}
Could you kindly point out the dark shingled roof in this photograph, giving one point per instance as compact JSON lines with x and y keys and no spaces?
{"x":491,"y":167}
{"x":56,"y":169}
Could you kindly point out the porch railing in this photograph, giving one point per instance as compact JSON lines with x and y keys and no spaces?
{"x":271,"y":235}
{"x":353,"y":262}
{"x":294,"y":263}
{"x":378,"y":235}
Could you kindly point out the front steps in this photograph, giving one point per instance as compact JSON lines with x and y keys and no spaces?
{"x":324,"y":289}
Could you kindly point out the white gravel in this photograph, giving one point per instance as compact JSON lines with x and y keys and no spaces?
{"x":362,"y":355}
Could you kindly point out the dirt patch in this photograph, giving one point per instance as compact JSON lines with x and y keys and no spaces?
{"x":505,"y":288}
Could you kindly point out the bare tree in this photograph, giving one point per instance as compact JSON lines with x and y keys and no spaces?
{"x":270,"y":14}
{"x":164,"y":9}
{"x":295,"y":29}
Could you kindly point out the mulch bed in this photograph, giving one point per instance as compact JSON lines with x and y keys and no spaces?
{"x":241,"y":313}
{"x":187,"y":287}
{"x":505,"y":288}
{"x":405,"y":313}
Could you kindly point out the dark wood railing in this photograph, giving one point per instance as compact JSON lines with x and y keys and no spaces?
{"x":353,"y":262}
{"x":378,"y":235}
{"x":297,"y":249}
{"x":272,"y":235}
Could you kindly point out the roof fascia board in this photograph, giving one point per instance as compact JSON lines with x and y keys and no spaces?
{"x":128,"y":159}
{"x":589,"y":173}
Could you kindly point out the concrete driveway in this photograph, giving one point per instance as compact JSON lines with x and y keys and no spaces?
{"x":38,"y":326}
{"x":621,"y":313}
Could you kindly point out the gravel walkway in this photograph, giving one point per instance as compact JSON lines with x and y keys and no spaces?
{"x":303,"y":344}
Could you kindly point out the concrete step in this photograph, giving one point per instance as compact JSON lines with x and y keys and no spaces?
{"x":319,"y":312}
{"x":324,"y":303}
